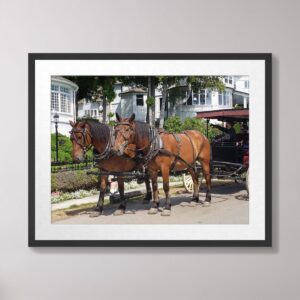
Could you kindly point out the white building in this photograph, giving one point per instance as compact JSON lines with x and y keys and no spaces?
{"x":133,"y":100}
{"x":63,"y":96}
{"x":236,"y":93}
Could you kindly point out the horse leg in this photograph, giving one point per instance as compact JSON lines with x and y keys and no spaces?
{"x":206,"y":171}
{"x":148,"y":197}
{"x":155,"y":203}
{"x":99,"y":207}
{"x":122,"y":207}
{"x":196,"y":185}
{"x":165,"y":170}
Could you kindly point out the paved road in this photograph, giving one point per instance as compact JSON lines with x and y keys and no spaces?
{"x":229,"y":206}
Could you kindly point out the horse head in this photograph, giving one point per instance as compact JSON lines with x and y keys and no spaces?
{"x":81,"y":138}
{"x":125,"y":136}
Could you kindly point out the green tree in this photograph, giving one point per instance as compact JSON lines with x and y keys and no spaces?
{"x":173,"y":124}
{"x":108,"y":94}
{"x":95,"y":87}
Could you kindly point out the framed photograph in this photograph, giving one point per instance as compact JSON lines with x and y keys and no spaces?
{"x":150,"y":150}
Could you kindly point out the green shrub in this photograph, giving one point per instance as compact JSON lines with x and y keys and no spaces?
{"x":173,"y":124}
{"x":69,"y":181}
{"x":64,"y":148}
{"x":200,"y":125}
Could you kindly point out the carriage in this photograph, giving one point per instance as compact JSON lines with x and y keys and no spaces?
{"x":230,"y":160}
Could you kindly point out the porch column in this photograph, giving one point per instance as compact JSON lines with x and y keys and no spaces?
{"x":245,"y":102}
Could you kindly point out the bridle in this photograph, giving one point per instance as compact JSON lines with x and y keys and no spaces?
{"x":84,"y":132}
{"x":118,"y":130}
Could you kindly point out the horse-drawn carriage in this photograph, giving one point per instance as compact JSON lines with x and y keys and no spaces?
{"x":229,"y":160}
{"x":132,"y":148}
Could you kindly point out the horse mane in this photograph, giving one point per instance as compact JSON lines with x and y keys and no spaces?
{"x":141,"y":131}
{"x":99,"y":131}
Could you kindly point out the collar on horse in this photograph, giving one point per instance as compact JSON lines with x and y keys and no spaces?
{"x":106,"y":153}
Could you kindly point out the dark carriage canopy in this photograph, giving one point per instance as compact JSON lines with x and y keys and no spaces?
{"x":236,"y":115}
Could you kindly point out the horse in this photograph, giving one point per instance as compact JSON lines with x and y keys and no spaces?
{"x":178,"y":151}
{"x":91,"y":133}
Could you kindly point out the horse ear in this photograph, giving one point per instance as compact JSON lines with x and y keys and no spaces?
{"x":131,"y":119}
{"x":72,"y":123}
{"x":118,"y":117}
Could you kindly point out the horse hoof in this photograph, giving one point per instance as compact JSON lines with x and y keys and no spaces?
{"x":119,"y":212}
{"x":206,"y":204}
{"x":152,"y":211}
{"x":95,"y":214}
{"x":166,"y":212}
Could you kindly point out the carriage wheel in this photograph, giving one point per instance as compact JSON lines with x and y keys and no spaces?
{"x":188,"y":182}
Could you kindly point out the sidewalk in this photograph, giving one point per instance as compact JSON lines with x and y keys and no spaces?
{"x":94,"y":199}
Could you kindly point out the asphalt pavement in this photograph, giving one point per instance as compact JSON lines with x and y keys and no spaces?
{"x":230,"y":205}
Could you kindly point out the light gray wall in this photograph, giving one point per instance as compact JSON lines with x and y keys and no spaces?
{"x":149,"y":26}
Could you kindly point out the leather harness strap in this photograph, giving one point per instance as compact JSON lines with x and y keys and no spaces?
{"x":155,"y":149}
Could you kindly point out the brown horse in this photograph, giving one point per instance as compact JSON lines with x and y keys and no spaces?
{"x":179,"y":151}
{"x":89,"y":133}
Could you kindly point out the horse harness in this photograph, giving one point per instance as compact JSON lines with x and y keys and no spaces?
{"x":106,"y":153}
{"x":157,"y":146}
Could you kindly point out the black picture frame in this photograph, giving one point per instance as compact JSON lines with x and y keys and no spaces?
{"x":266,"y":57}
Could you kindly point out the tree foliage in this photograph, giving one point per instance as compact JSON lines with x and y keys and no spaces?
{"x":175,"y":125}
{"x":171,"y":87}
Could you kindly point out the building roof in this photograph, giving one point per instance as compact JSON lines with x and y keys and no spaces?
{"x":134,"y":90}
{"x":225,"y":114}
{"x":64,"y":80}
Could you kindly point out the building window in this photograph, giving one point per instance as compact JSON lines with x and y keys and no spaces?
{"x":139,"y":100}
{"x":64,"y":89}
{"x":54,"y":87}
{"x":61,"y":99}
{"x":228,"y":79}
{"x":246,"y":84}
{"x":200,"y":98}
{"x":54,"y":101}
{"x":195,"y":99}
{"x":224,"y":98}
{"x":63,"y":103}
{"x":69,"y":104}
{"x":65,"y":100}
